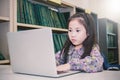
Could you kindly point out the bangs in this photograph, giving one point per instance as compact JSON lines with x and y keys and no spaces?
{"x":81,"y":21}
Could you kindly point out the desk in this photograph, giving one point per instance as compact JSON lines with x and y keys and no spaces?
{"x":7,"y":74}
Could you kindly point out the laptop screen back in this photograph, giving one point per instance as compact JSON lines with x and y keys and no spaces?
{"x":32,"y":52}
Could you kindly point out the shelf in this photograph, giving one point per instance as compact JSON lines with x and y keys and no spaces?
{"x":38,"y":27}
{"x":4,"y":19}
{"x":4,"y":61}
{"x":113,"y":34}
{"x":108,"y":32}
{"x":112,"y":47}
{"x":63,"y":3}
{"x":112,"y":62}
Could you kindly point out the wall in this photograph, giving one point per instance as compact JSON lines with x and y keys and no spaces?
{"x":106,"y":8}
{"x":79,"y":3}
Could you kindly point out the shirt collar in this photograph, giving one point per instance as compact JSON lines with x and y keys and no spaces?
{"x":72,"y":49}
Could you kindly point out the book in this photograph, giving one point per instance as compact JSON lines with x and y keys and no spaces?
{"x":39,"y":14}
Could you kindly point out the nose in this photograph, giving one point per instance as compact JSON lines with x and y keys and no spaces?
{"x":73,"y":34}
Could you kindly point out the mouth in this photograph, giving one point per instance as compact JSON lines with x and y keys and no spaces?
{"x":73,"y":40}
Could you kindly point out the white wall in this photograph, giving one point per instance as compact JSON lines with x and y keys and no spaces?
{"x":104,"y":8}
{"x":79,"y":3}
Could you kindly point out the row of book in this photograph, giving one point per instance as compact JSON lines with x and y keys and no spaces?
{"x":59,"y":41}
{"x":111,"y":41}
{"x":112,"y":56}
{"x":30,"y":12}
{"x":1,"y":56}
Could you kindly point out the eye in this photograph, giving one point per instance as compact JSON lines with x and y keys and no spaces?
{"x":70,"y":30}
{"x":77,"y":30}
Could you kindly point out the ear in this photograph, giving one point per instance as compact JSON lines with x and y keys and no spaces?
{"x":88,"y":34}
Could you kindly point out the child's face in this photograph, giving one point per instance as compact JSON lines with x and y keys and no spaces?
{"x":77,"y":33}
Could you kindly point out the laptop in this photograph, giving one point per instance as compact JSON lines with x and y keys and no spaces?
{"x":32,"y":52}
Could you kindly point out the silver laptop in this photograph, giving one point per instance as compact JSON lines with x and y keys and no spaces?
{"x":32,"y":52}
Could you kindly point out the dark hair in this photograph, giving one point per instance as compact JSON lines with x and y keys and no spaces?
{"x":89,"y":24}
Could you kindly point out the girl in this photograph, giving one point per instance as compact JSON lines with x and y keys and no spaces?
{"x":80,"y":52}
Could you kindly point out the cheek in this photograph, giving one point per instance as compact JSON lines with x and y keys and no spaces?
{"x":69,"y":34}
{"x":82,"y":37}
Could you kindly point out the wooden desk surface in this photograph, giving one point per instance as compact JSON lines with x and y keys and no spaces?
{"x":7,"y":74}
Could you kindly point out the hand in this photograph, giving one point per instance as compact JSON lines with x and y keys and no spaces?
{"x":64,"y":67}
{"x":57,"y":63}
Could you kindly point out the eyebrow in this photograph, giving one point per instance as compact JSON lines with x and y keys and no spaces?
{"x":75,"y":28}
{"x":78,"y":28}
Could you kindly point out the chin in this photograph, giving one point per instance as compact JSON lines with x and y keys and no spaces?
{"x":75,"y":44}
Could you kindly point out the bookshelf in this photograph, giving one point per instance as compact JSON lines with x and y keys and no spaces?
{"x":46,"y":8}
{"x":4,"y":62}
{"x":4,"y":19}
{"x":38,"y":27}
{"x":10,"y":20}
{"x":108,"y":32}
{"x":37,"y":14}
{"x":6,"y":24}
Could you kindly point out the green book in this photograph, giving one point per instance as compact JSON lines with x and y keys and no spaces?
{"x":63,"y":38}
{"x":31,"y":14}
{"x":56,"y":19}
{"x":37,"y":14}
{"x":56,"y":44}
{"x":51,"y":23}
{"x":18,"y":10}
{"x":27,"y":13}
{"x":21,"y":9}
{"x":59,"y":41}
{"x":1,"y":56}
{"x":52,"y":18}
{"x":62,"y":20}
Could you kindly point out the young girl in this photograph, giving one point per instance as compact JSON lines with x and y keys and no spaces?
{"x":80,"y":52}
